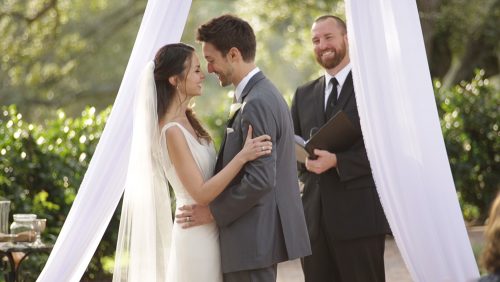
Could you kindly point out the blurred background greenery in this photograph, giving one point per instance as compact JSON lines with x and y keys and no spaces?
{"x":62,"y":61}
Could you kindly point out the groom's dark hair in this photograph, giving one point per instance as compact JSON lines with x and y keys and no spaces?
{"x":226,"y":32}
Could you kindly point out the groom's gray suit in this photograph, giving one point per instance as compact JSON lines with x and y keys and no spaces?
{"x":260,"y":214}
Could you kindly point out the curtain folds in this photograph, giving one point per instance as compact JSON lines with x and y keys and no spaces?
{"x":103,"y":184}
{"x":404,"y":142}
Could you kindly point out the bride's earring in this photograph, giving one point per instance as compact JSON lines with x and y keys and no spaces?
{"x":173,"y":81}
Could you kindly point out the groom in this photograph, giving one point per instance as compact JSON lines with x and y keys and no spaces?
{"x":259,"y":215}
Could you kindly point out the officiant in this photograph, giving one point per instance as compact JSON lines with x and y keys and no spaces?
{"x":345,"y":219}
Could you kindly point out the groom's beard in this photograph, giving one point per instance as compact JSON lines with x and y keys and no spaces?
{"x":225,"y":77}
{"x":223,"y":81}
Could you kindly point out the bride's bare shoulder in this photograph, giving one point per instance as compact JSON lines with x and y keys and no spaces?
{"x":176,"y":140}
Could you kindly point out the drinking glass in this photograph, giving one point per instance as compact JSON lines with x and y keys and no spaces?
{"x":4,"y":215}
{"x":39,"y":225}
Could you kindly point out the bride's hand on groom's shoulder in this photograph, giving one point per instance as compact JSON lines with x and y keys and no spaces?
{"x":255,"y":147}
{"x":193,"y":215}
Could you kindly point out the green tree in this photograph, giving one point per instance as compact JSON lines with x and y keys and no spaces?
{"x":67,"y":54}
{"x":64,"y":54}
{"x":469,"y":122}
{"x":460,"y":36}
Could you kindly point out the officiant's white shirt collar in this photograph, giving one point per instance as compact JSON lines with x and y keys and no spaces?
{"x":340,"y":76}
{"x":239,"y":89}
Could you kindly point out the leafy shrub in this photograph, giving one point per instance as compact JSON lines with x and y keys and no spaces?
{"x":469,"y":120}
{"x":41,"y":168}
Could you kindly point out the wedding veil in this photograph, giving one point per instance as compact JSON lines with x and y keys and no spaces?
{"x":103,"y":184}
{"x":146,"y":221}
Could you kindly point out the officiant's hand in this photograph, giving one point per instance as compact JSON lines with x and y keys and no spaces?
{"x":324,"y":162}
{"x":193,"y":215}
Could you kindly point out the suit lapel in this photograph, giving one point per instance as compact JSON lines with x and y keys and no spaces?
{"x":345,"y":93}
{"x":319,"y":100}
{"x":251,"y":83}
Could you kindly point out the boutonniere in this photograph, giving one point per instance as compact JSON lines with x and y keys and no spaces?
{"x":234,"y":108}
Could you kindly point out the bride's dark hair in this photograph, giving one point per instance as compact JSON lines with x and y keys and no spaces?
{"x":174,"y":60}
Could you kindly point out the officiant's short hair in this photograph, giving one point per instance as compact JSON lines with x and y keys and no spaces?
{"x":340,"y":22}
{"x":228,"y":31}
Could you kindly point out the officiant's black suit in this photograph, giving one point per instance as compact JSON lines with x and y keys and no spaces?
{"x":341,"y":205}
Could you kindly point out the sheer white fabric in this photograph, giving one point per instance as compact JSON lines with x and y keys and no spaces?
{"x":103,"y":184}
{"x":403,"y":139}
{"x":144,"y":236}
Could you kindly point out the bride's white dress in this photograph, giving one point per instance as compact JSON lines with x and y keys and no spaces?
{"x":194,"y":253}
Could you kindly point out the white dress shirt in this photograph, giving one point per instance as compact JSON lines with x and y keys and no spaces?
{"x":239,"y":89}
{"x":340,"y":76}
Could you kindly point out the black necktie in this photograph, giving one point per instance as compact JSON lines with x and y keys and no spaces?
{"x":332,"y":99}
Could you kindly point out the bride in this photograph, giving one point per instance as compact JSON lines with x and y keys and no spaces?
{"x":179,"y":150}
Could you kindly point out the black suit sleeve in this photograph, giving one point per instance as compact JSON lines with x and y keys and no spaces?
{"x":301,"y":168}
{"x":295,"y":115}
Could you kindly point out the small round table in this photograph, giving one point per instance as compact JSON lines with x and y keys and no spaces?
{"x":9,"y":266}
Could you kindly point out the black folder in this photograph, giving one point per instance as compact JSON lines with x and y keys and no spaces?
{"x":336,"y":135}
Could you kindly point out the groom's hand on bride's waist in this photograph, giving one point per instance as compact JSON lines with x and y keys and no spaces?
{"x":193,"y":215}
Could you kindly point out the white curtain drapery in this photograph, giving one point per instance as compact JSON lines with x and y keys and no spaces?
{"x":404,"y":142}
{"x":102,"y":187}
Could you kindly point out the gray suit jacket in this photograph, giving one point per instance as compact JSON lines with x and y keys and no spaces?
{"x":260,"y":214}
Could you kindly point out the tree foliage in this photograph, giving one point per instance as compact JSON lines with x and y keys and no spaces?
{"x":461,"y":36}
{"x":68,"y":54}
{"x":470,"y":121}
{"x":64,"y":54}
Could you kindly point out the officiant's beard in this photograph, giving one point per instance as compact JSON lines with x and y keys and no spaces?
{"x":340,"y":54}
